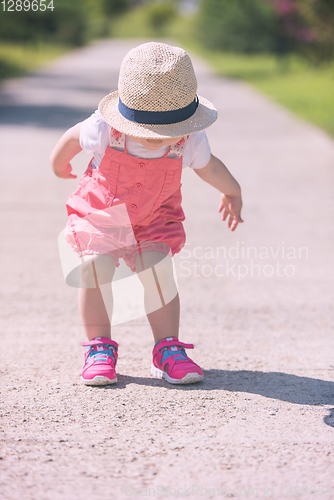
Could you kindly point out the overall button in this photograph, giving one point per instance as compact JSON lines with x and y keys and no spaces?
{"x":142,"y":165}
{"x":139,"y":185}
{"x":133,"y":206}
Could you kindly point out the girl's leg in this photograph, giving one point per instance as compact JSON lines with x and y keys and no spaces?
{"x":95,"y":308}
{"x":162,"y":304}
{"x":155,"y":271}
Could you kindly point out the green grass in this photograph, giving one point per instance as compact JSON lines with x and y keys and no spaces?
{"x":19,"y":59}
{"x":137,"y":23}
{"x":133,"y":24}
{"x":306,"y":90}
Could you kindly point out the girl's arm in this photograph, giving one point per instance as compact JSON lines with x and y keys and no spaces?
{"x":216,"y":174}
{"x":66,"y":148}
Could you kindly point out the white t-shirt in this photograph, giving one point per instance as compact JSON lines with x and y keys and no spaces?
{"x":95,"y":137}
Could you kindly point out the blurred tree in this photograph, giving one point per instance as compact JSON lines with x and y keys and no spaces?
{"x":278,"y":26}
{"x":237,"y":25}
{"x":309,"y":25}
{"x":116,"y":7}
{"x":160,"y":14}
{"x":71,"y":23}
{"x":66,"y":23}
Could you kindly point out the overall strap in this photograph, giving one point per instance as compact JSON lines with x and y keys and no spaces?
{"x":179,"y":147}
{"x":117,"y":139}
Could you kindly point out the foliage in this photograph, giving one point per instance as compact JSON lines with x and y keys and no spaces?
{"x":291,"y":81}
{"x":309,"y":24}
{"x":115,"y":7}
{"x":239,"y":25}
{"x":160,"y":14}
{"x":70,"y":22}
{"x":274,"y":26}
{"x":151,"y":19}
{"x":17,"y":59}
{"x":66,"y":23}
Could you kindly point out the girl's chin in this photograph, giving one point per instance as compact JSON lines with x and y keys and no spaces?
{"x":153,"y":148}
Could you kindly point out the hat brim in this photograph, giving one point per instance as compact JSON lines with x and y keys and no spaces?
{"x":204,"y":116}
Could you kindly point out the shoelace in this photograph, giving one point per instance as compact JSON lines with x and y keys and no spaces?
{"x":101,"y":352}
{"x":175,"y":351}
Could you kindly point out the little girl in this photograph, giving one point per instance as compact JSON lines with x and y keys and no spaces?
{"x":128,"y":203}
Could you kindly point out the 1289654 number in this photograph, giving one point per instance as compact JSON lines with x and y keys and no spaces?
{"x":34,"y":5}
{"x":303,"y":491}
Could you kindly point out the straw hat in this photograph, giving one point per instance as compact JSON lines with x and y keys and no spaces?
{"x":156,"y":96}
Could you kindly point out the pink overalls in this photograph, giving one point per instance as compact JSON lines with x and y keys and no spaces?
{"x":127,"y":205}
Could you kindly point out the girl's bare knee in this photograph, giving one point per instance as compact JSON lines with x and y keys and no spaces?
{"x":97,"y":271}
{"x":157,"y":273}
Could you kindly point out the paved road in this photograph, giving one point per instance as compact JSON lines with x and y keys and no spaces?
{"x":257,"y":303}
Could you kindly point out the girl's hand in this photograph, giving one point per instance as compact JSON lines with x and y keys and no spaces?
{"x":65,"y":173}
{"x":231,"y":206}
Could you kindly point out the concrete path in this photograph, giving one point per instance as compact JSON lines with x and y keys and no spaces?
{"x":257,"y":303}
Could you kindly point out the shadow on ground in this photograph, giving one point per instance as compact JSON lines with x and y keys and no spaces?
{"x":274,"y":385}
{"x":42,"y":116}
{"x":13,"y":112}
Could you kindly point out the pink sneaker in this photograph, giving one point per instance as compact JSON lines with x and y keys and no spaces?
{"x":100,"y":362}
{"x":171,"y":362}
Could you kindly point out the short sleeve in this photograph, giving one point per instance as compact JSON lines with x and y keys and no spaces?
{"x":197,"y":151}
{"x":94,"y":134}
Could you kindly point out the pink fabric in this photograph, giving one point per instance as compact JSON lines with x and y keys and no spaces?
{"x":126,"y":206}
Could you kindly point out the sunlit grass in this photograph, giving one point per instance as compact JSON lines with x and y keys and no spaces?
{"x":291,"y":81}
{"x":18,"y":59}
{"x":304,"y":89}
{"x":138,"y":23}
{"x":308,"y":92}
{"x":133,"y":24}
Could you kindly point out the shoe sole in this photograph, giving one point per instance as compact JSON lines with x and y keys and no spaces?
{"x":99,"y":380}
{"x":190,"y":378}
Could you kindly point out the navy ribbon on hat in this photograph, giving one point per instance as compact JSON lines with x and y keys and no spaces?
{"x":158,"y":117}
